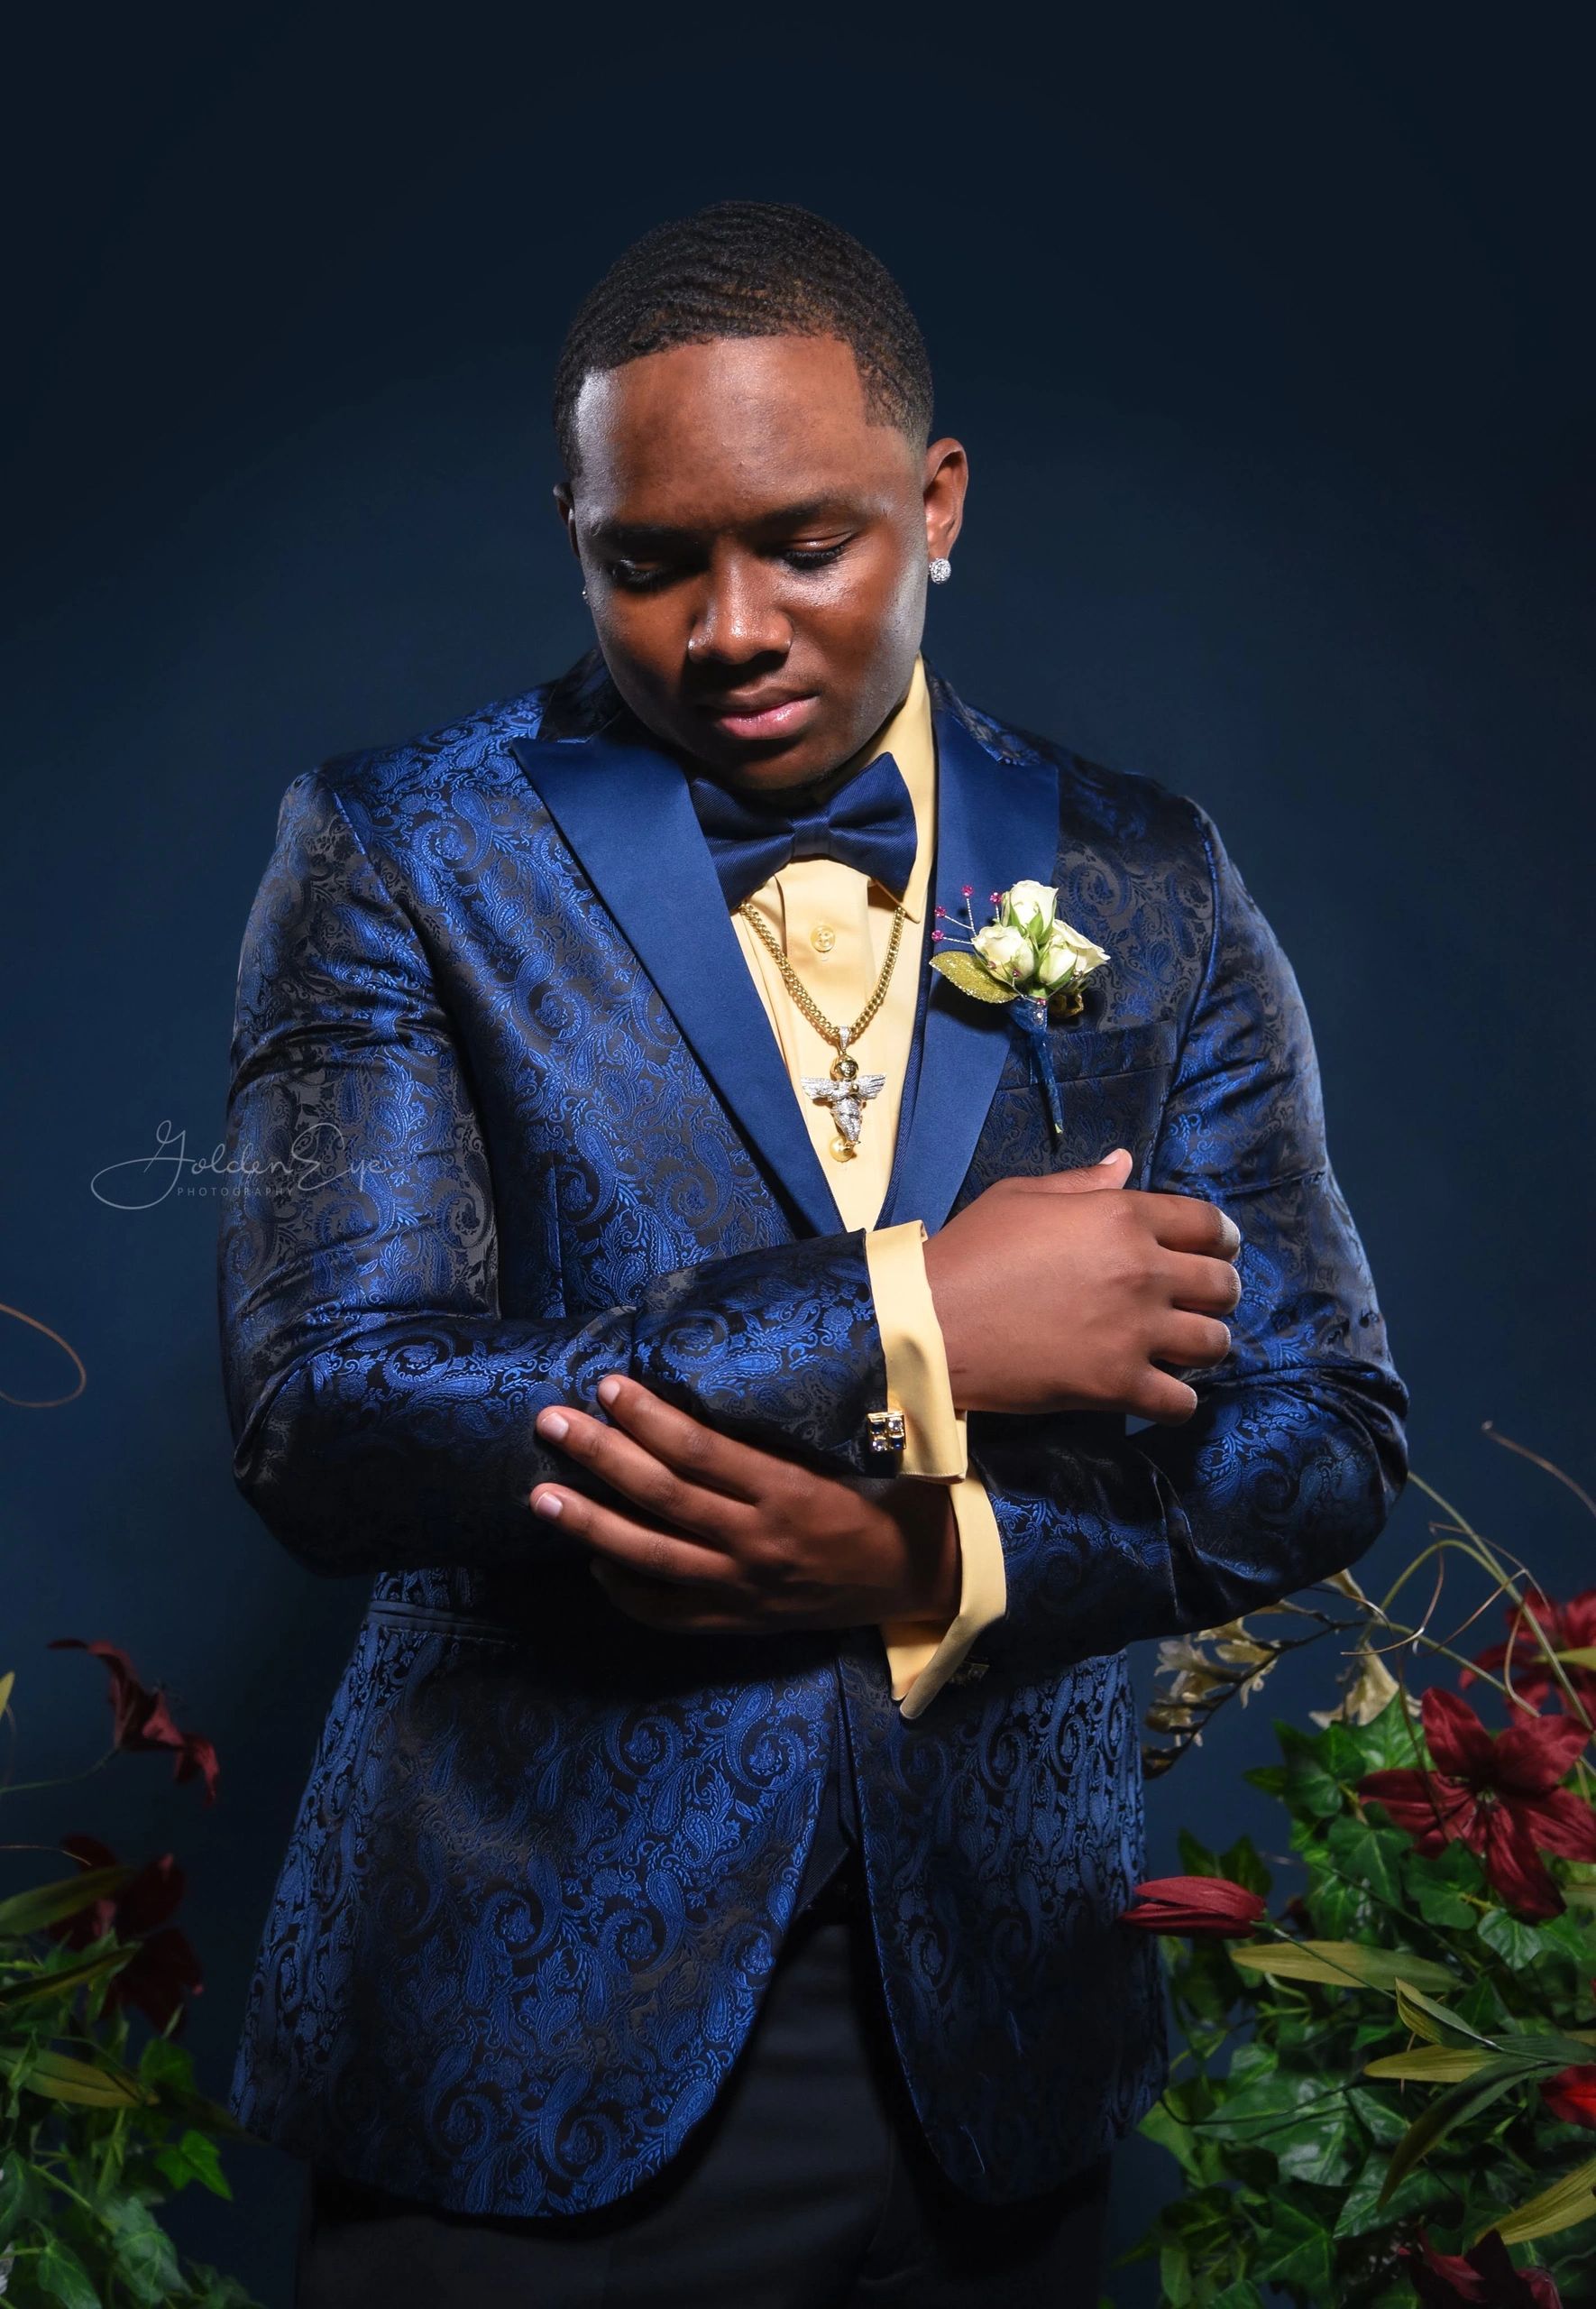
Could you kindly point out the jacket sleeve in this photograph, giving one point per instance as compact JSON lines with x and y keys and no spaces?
{"x":1295,"y":1455}
{"x":381,"y":1405}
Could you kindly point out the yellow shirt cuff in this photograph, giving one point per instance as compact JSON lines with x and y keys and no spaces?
{"x":919,"y":1656}
{"x":917,"y":1381}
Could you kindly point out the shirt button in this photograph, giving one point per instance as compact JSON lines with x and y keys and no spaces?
{"x":823,"y":937}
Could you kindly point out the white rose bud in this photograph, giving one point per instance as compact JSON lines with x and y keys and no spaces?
{"x":1067,"y":956}
{"x":1030,"y":906}
{"x":1006,"y":952}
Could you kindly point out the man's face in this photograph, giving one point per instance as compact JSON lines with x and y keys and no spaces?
{"x":755,"y":550}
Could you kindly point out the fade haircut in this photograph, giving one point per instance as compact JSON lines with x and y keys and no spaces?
{"x":749,"y":268}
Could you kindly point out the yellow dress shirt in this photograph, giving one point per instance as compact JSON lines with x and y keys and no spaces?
{"x":833,"y":924}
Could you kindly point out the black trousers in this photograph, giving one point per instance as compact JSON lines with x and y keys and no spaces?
{"x":808,"y":2185}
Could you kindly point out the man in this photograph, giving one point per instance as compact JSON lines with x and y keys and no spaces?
{"x":706,"y":1887}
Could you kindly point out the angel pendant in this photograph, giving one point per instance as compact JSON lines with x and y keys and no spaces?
{"x":844,"y":1091}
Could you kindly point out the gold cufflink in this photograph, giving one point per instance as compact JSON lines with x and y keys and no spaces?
{"x":888,"y":1431}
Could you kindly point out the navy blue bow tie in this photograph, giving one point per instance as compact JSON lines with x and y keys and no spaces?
{"x":868,"y":824}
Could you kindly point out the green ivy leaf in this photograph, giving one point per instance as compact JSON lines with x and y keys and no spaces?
{"x":1297,"y":2251}
{"x":1271,"y":1778}
{"x":1195,"y":2152}
{"x":1515,"y":1943}
{"x":167,"y":2065}
{"x":210,"y":2290}
{"x":1362,"y":2211}
{"x":1294,"y":2113}
{"x":1244,"y":1865}
{"x":1208,"y":1985}
{"x":1340,"y":1910}
{"x":58,"y":2272}
{"x":1341,"y":1751}
{"x":1194,"y":1856}
{"x":1311,"y":1787}
{"x":146,"y":2259}
{"x":1369,"y":1855}
{"x":1175,"y":2278}
{"x":194,"y":2158}
{"x":1384,"y":2124}
{"x":1390,"y":1743}
{"x":1437,"y":1887}
{"x":1481,"y":2010}
{"x":19,"y":2193}
{"x":1572,"y":1936}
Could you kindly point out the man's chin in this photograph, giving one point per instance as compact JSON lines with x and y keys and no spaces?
{"x":765,"y":766}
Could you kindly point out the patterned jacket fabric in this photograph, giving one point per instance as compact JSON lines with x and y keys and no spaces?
{"x":505,"y":1115}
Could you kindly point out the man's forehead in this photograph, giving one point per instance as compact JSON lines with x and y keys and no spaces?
{"x":732,"y":431}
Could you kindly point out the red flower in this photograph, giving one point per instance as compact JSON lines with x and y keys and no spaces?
{"x":1484,"y":2276}
{"x":1195,"y":1904}
{"x":143,"y":1719}
{"x":1500,"y":1795}
{"x":1568,"y":1627}
{"x":165,"y":1969}
{"x":1571,"y":2095}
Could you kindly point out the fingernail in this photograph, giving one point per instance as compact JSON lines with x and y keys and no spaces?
{"x":548,"y":1503}
{"x":556,"y":1426}
{"x":1106,"y":1159}
{"x":608,"y":1391}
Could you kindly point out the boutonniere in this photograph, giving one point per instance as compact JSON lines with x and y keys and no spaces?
{"x":1027,"y":958}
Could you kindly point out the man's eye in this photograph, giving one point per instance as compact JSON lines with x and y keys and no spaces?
{"x":640,"y":577}
{"x":632,"y":578}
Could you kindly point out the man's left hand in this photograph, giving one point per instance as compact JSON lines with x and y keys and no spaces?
{"x":729,"y":1539}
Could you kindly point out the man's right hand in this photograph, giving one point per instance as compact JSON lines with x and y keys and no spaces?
{"x":1064,"y":1293}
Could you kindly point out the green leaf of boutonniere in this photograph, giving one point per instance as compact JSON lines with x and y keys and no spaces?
{"x":971,"y":977}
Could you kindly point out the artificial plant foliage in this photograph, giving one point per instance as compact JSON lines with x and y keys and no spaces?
{"x":101,"y":2118}
{"x":1387,"y":2090}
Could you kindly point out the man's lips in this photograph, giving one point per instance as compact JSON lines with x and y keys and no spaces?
{"x":778,"y":718}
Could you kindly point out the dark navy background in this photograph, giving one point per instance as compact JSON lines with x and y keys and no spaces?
{"x":1268,"y":331}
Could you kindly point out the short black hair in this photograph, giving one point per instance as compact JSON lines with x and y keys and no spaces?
{"x":749,"y":268}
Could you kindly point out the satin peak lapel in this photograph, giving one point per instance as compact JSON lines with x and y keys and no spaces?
{"x":997,"y":822}
{"x":625,"y":812}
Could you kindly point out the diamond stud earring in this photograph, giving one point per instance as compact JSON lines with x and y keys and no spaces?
{"x":940,"y":570}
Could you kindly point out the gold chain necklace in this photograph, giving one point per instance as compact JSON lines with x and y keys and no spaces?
{"x":847,"y":1089}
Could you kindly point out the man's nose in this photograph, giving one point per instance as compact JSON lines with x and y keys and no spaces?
{"x":738,"y":615}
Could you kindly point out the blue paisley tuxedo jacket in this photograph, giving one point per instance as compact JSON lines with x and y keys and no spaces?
{"x":506,"y":1115}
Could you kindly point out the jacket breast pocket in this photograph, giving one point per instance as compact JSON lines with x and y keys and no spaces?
{"x":1113,"y":1085}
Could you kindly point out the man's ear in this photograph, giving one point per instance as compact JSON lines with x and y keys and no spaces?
{"x":947,"y":477}
{"x":565,"y":505}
